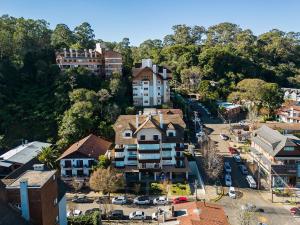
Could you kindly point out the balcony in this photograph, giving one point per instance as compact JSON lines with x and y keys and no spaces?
{"x":132,"y":157}
{"x":149,"y":166}
{"x":289,"y":169}
{"x":148,"y":141}
{"x":119,"y":148}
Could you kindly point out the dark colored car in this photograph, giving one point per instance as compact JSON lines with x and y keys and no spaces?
{"x":91,"y":211}
{"x":179,"y":200}
{"x":82,"y":199}
{"x":115,"y":215}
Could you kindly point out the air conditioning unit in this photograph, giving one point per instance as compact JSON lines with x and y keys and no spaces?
{"x":38,"y":167}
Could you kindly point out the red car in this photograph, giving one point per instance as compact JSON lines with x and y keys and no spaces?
{"x":233,"y":151}
{"x":180,"y":200}
{"x":295,"y":211}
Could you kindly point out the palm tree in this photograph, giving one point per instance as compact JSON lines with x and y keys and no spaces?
{"x":48,"y":156}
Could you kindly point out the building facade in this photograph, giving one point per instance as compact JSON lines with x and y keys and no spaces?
{"x":98,"y":61}
{"x":278,"y":157}
{"x":78,"y":159}
{"x":151,"y":146}
{"x":289,"y":114}
{"x":292,"y":94}
{"x":150,"y":84}
{"x":35,"y":194}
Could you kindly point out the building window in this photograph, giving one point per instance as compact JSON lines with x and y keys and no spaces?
{"x":145,"y":89}
{"x":127,"y":134}
{"x":146,"y":102}
{"x":155,"y":137}
{"x":158,"y":88}
{"x":170,"y":134}
{"x":158,"y":93}
{"x":289,"y":148}
{"x":145,"y":94}
{"x":142,"y":137}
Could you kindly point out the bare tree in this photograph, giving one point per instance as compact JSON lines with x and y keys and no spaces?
{"x":106,"y":180}
{"x":213,"y":162}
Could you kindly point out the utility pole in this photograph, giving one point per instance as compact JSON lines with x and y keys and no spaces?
{"x":258,"y":175}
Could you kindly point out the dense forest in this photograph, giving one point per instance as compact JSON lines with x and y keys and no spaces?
{"x":39,"y":102}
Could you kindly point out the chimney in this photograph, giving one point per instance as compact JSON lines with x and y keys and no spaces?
{"x":71,"y":52}
{"x":76,"y":53}
{"x":85,"y":53}
{"x":24,"y":199}
{"x":154,"y":68}
{"x":161,"y":121}
{"x":164,"y":73}
{"x":136,"y":120}
{"x":91,"y":53}
{"x":99,"y":48}
{"x":65,"y":52}
{"x":146,"y":63}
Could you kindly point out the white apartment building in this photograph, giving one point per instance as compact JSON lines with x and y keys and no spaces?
{"x":78,"y":159}
{"x":151,"y":145}
{"x":150,"y":84}
{"x":289,"y":114}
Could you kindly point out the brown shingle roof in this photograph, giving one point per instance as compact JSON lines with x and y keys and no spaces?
{"x":112,"y":54}
{"x":91,"y":146}
{"x":125,"y":121}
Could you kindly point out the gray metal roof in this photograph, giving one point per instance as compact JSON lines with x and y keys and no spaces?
{"x":271,"y":140}
{"x":26,"y":153}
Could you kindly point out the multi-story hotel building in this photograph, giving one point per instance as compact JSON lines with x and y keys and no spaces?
{"x":99,"y":60}
{"x":150,"y":84}
{"x":278,"y":157}
{"x":151,"y":145}
{"x":289,"y":114}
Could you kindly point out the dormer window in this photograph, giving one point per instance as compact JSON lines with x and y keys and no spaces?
{"x":155,"y":137}
{"x":127,"y":134}
{"x":143,"y":137}
{"x":171,"y":133}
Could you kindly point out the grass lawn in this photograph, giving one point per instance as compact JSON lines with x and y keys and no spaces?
{"x":180,"y":189}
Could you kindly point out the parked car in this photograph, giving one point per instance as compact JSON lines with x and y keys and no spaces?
{"x":158,"y":213}
{"x":181,"y":199}
{"x":115,"y":215}
{"x":224,"y":137}
{"x":91,"y":211}
{"x":228,"y":181}
{"x":75,"y":212}
{"x":103,"y":199}
{"x":82,"y":199}
{"x":162,"y":200}
{"x":237,"y":158}
{"x":243,"y":169}
{"x":251,"y":181}
{"x":142,"y":200}
{"x":119,"y":200}
{"x":137,"y":215}
{"x":227,"y":167}
{"x":232,"y":193}
{"x":233,"y":151}
{"x":295,"y":211}
{"x":248,"y":207}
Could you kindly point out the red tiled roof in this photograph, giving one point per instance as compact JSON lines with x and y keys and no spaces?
{"x":91,"y":146}
{"x":199,"y":213}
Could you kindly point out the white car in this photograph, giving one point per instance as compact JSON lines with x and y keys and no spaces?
{"x":160,"y":201}
{"x":75,"y":212}
{"x":119,"y":200}
{"x":137,"y":215}
{"x":224,"y":137}
{"x":227,"y":167}
{"x":159,"y":212}
{"x":237,"y":158}
{"x":232,"y":193}
{"x":228,"y":181}
{"x":142,"y":200}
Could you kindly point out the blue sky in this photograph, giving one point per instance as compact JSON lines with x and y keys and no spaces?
{"x":149,"y":19}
